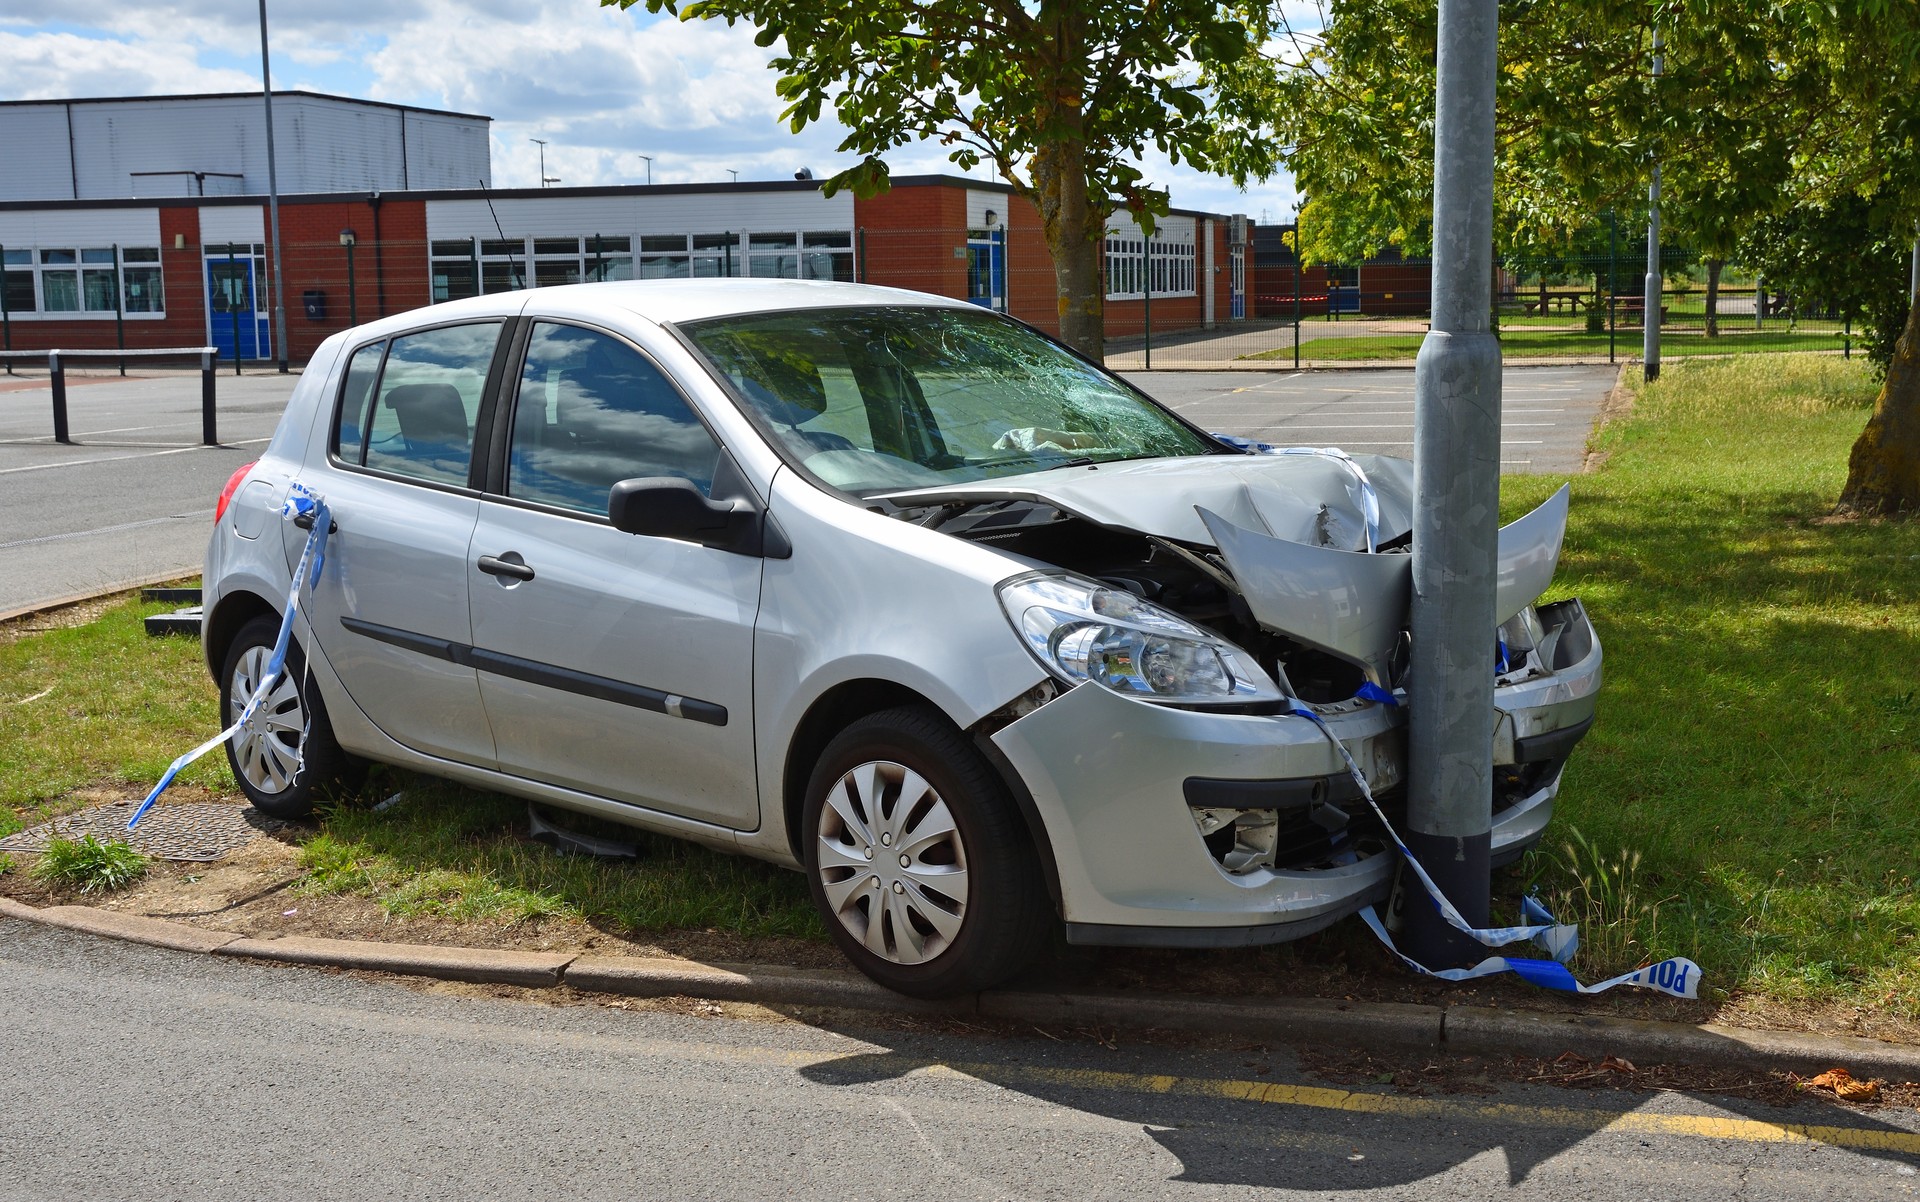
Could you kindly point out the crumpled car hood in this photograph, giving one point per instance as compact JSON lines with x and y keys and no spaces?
{"x":1292,"y":532}
{"x":1282,"y":495}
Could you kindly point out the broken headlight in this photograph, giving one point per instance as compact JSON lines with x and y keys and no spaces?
{"x":1080,"y":630}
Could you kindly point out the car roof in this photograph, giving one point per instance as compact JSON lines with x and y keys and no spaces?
{"x":677,"y":300}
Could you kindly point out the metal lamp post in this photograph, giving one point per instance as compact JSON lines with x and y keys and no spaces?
{"x":542,"y":144}
{"x":649,"y":161}
{"x":1650,"y":319}
{"x":1456,"y":465}
{"x":348,"y":239}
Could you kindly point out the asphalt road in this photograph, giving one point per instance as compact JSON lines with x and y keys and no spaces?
{"x":133,"y":498}
{"x":1546,"y":412}
{"x":140,"y":1074}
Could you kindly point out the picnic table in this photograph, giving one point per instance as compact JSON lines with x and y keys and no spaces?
{"x":1557,"y":300}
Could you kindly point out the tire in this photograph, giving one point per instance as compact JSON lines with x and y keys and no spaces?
{"x":288,"y":755}
{"x":962,"y":907}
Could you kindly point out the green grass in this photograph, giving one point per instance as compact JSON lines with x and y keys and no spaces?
{"x":94,"y":866}
{"x":99,"y":704}
{"x":1555,"y":343}
{"x":1758,"y":741}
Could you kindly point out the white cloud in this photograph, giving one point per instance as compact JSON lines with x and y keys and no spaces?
{"x":53,"y":65}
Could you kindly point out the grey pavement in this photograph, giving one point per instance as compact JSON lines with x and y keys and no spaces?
{"x":132,"y":499}
{"x":1546,"y":412}
{"x":138,"y":1073}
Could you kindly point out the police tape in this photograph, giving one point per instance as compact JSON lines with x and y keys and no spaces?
{"x":301,"y":502}
{"x":1678,"y":976}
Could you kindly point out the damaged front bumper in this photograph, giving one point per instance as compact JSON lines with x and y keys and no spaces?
{"x":1189,"y":828}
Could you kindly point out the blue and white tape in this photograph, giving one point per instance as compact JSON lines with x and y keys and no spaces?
{"x":1679,"y":976}
{"x":301,"y":502}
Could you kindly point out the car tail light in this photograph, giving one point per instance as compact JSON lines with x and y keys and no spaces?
{"x":233,"y":486}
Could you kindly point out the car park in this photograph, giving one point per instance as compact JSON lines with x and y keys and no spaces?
{"x":879,"y":586}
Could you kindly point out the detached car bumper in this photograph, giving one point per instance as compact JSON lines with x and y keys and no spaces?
{"x":1179,"y":827}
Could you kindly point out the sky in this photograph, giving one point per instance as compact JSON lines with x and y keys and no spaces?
{"x":601,"y":86}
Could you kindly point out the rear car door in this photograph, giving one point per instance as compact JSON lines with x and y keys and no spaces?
{"x":619,"y":665}
{"x":392,"y":615}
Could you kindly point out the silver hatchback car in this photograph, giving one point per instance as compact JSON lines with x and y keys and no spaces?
{"x":870,"y":584}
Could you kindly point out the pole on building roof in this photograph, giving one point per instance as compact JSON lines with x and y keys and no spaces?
{"x":1456,"y":466}
{"x":273,"y":208}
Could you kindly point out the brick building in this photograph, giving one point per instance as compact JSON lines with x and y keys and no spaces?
{"x":104,"y":265}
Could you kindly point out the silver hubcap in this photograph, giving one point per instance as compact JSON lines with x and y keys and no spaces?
{"x":892,"y":862}
{"x":267,"y":748}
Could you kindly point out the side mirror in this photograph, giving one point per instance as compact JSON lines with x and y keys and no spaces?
{"x":670,"y":507}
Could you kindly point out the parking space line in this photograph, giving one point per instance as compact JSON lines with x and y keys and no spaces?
{"x":42,"y":467}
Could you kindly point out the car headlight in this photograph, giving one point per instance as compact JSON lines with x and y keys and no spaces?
{"x":1080,"y":630}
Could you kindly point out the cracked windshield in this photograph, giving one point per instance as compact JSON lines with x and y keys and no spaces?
{"x":876,"y":400}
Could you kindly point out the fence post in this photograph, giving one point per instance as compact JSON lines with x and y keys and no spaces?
{"x":1146,"y":295}
{"x":119,"y":309}
{"x":1296,"y":294}
{"x":1846,"y":346}
{"x":863,"y":256}
{"x":57,"y":372}
{"x":208,"y":434}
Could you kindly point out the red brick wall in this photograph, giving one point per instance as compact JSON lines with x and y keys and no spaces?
{"x":907,"y":237}
{"x":389,"y":270}
{"x":184,"y":295}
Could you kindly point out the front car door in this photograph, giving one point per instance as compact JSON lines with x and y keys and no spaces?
{"x":392,"y":615}
{"x":615,"y":664}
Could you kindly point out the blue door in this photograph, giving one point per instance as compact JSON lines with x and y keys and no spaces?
{"x":987,"y":268}
{"x":234,"y":309}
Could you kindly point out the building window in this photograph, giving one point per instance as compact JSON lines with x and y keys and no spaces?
{"x":1166,"y":260}
{"x":504,"y":264}
{"x":94,"y":281}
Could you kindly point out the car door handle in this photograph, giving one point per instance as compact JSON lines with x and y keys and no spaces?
{"x":493,"y":565}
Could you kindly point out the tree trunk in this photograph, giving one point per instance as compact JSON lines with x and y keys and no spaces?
{"x":1883,"y":473}
{"x":1713,"y":296}
{"x":1074,"y":234}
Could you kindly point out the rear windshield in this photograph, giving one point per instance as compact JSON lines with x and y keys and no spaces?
{"x":885,"y":399}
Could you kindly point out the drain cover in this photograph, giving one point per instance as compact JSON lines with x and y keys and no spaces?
{"x":192,"y":833}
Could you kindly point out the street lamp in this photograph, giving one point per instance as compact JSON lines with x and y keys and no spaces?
{"x":734,"y":174}
{"x":349,"y":239}
{"x":542,"y":143}
{"x":649,"y":161}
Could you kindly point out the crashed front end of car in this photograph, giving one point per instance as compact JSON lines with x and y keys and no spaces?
{"x":1182,"y":607}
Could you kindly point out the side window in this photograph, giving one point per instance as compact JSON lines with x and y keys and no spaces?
{"x":350,"y":433}
{"x":421,"y":423}
{"x":592,"y":412}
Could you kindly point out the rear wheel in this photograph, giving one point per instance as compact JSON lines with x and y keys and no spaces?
{"x":286,"y":753}
{"x":917,"y":859}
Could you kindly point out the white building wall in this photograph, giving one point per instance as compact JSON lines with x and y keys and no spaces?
{"x":322,"y":144}
{"x":220,"y":224}
{"x":674,"y":213}
{"x":75,"y":228}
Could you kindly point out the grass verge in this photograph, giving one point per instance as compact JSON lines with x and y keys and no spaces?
{"x":1758,"y":743}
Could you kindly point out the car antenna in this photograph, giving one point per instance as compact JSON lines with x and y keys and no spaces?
{"x":513,"y":262}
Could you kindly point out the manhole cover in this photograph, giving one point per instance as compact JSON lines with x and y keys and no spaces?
{"x":179,"y":832}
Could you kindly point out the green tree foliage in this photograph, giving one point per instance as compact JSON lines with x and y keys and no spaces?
{"x":1836,"y":257}
{"x":1764,"y":106}
{"x":1061,"y":96}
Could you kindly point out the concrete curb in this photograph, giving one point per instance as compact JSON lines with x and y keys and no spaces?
{"x":1465,"y":1030}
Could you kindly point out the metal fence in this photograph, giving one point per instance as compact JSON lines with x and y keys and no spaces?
{"x":1566,"y":310}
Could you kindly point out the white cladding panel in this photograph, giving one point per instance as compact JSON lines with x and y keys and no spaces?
{"x":33,"y":147}
{"x":80,"y":227}
{"x":675,"y":213}
{"x":232,"y":223}
{"x":1167,"y":229}
{"x":978,"y":203}
{"x":322,"y":144}
{"x":447,"y":152}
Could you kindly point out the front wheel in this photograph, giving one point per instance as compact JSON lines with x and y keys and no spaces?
{"x":917,"y":859}
{"x":286,"y":753}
